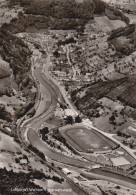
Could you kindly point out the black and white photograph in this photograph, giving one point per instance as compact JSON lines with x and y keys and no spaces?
{"x":67,"y":97}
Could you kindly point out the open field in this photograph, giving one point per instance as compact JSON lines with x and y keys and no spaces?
{"x":107,"y":24}
{"x":85,"y":140}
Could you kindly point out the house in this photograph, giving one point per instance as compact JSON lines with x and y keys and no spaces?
{"x":66,"y":171}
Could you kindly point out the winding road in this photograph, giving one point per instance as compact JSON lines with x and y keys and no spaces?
{"x":49,"y":96}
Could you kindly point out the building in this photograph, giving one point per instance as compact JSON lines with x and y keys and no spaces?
{"x":66,"y":171}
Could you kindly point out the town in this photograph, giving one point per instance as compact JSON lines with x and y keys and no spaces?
{"x":67,"y":97}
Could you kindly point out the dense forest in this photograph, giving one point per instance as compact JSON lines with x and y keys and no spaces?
{"x":20,"y":183}
{"x":53,"y":14}
{"x":60,"y":14}
{"x":58,"y":8}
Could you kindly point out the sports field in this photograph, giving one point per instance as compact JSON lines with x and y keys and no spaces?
{"x":87,"y":140}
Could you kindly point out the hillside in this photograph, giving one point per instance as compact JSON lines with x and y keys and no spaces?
{"x":89,"y":49}
{"x":105,"y":48}
{"x":14,"y":183}
{"x":59,"y":14}
{"x":4,"y":69}
{"x":97,"y":66}
{"x":15,"y":65}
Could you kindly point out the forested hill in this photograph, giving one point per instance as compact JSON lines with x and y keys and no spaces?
{"x":60,"y":14}
{"x":60,"y":8}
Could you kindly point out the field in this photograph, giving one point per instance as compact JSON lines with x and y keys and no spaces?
{"x":107,"y":24}
{"x":85,"y":140}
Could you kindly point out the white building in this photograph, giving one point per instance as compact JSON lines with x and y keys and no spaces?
{"x":66,"y":171}
{"x":70,"y":112}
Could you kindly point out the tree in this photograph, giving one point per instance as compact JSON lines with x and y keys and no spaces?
{"x":119,"y":133}
{"x":52,"y":164}
{"x":69,"y":120}
{"x":78,"y":119}
{"x":112,"y":119}
{"x":44,"y":131}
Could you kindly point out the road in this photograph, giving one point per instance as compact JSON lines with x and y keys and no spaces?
{"x":29,"y":129}
{"x":34,"y":124}
{"x":49,"y":96}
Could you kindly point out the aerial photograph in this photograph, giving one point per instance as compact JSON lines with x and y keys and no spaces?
{"x":67,"y":97}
